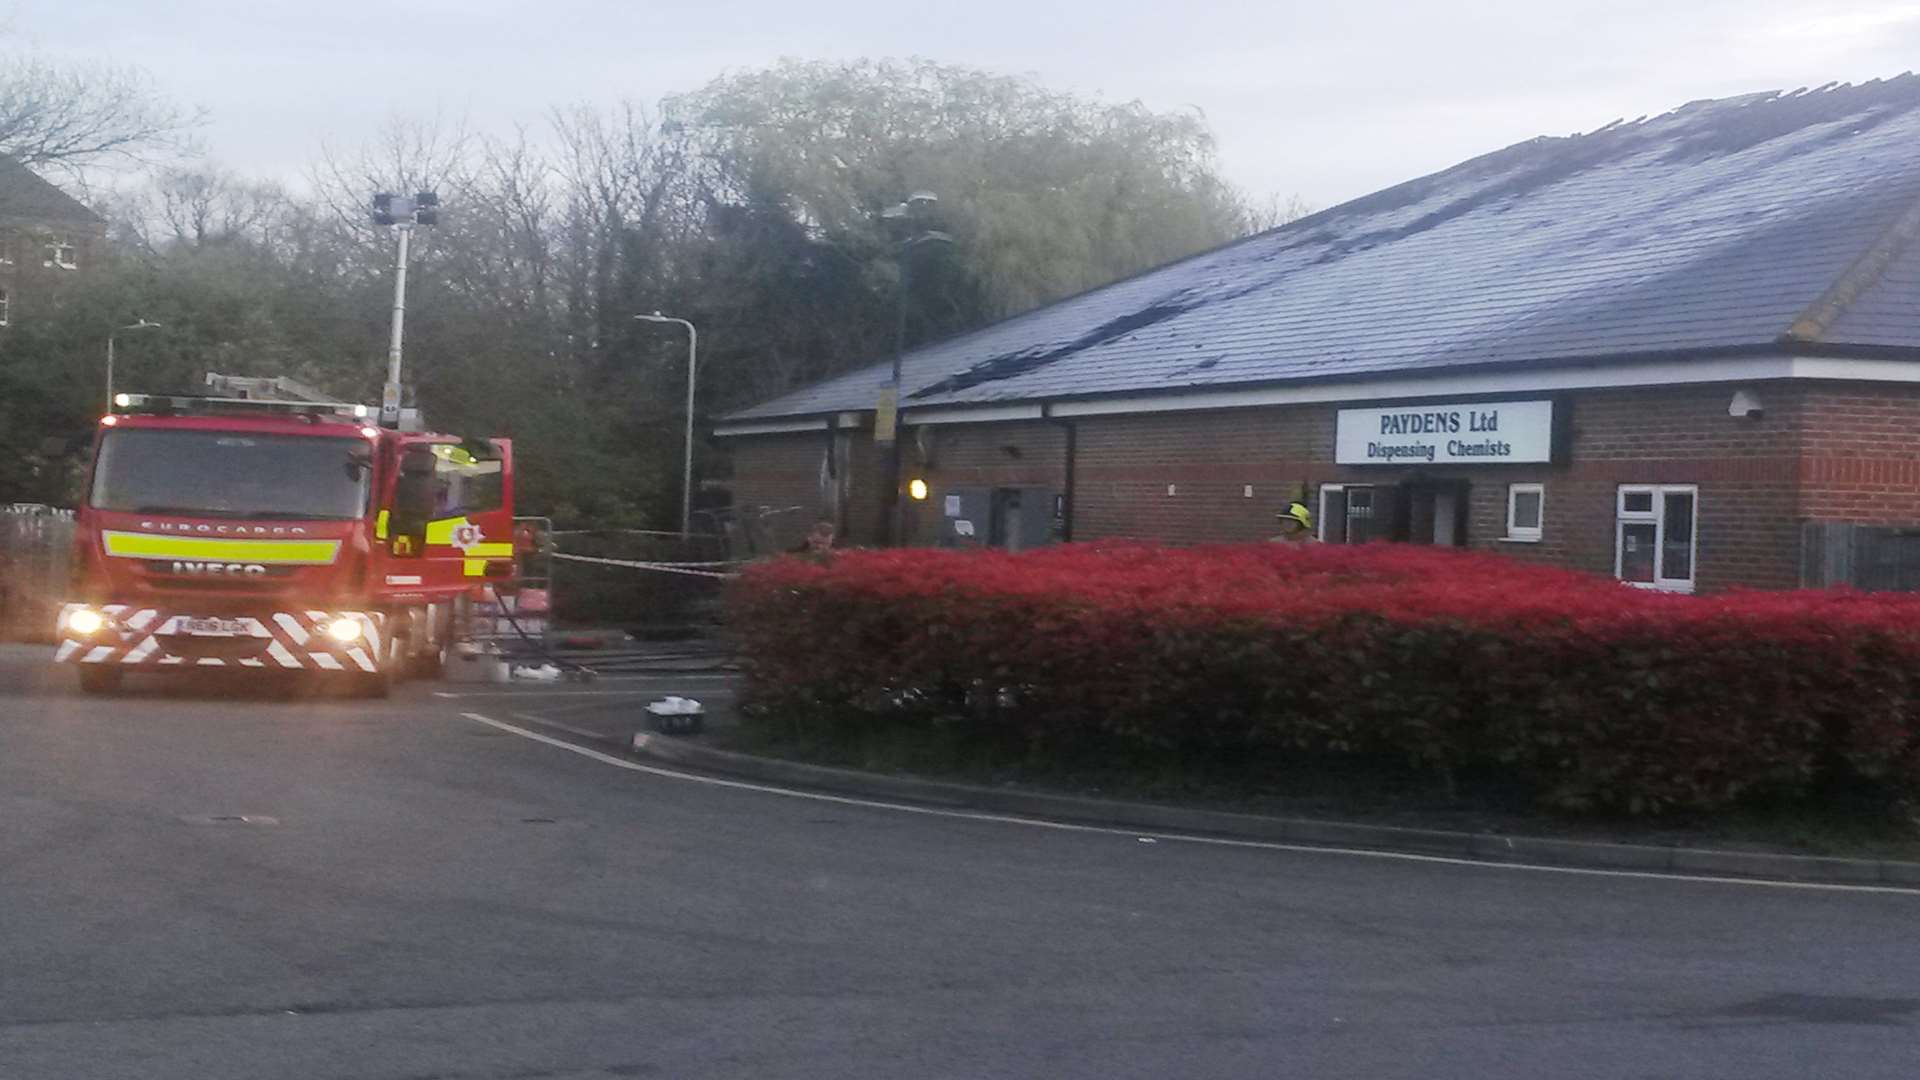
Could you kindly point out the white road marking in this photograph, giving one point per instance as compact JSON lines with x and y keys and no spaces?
{"x":1179,"y":838}
{"x":531,"y":690}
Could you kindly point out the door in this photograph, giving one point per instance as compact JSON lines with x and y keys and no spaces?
{"x":450,"y":525}
{"x":1434,"y":512}
{"x":1355,"y":513}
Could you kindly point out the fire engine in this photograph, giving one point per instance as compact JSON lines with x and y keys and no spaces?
{"x":289,"y":536}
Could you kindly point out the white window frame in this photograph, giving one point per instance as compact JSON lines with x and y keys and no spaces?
{"x":6,"y":307}
{"x":1321,"y":517}
{"x":1657,"y":517}
{"x":1528,"y":534}
{"x":62,"y":254}
{"x":1320,"y":514}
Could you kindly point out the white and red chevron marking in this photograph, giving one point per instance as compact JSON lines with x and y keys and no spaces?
{"x":289,"y":640}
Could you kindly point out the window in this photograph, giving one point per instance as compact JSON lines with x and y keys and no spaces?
{"x":1655,"y":537}
{"x":1526,"y":507}
{"x":286,"y":477}
{"x":61,"y":253}
{"x":465,"y":484}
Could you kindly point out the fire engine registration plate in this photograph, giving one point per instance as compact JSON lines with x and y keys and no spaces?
{"x":214,"y":627}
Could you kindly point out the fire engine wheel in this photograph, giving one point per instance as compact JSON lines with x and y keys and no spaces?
{"x":101,"y":679}
{"x":430,"y":663}
{"x":379,"y":684}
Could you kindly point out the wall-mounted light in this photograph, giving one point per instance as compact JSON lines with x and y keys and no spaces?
{"x":1745,"y":403}
{"x":917,"y":489}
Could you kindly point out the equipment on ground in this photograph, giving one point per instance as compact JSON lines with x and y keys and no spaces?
{"x":290,"y":536}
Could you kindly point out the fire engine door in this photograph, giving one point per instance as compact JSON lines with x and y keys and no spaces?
{"x":453,"y":509}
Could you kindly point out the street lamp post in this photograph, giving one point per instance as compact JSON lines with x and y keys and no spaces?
{"x":143,"y":324}
{"x":686,"y":472}
{"x":915,"y":210}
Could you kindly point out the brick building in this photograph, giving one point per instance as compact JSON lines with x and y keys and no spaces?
{"x":46,"y":236}
{"x":1683,"y":350}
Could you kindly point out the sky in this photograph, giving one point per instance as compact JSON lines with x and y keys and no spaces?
{"x":1326,"y":100}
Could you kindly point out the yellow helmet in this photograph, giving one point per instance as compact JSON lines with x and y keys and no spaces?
{"x":1297,"y":511}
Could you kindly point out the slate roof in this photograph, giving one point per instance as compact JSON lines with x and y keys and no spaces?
{"x":1715,"y":226}
{"x":26,"y":198}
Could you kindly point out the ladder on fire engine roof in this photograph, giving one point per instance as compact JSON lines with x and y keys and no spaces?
{"x":255,"y":388}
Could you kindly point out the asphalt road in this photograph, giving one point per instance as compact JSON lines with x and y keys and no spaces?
{"x":414,"y":894}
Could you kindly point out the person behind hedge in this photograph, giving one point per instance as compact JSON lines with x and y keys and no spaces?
{"x":819,"y":542}
{"x":1296,"y":525}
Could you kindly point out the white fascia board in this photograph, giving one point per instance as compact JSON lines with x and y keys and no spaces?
{"x":849,"y":420}
{"x":768,"y":427}
{"x":963,"y":414}
{"x":1547,"y":380}
{"x":1893,"y":371}
{"x":1759,"y":368}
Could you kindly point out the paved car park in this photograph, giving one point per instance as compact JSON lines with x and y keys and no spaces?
{"x":204,"y":882}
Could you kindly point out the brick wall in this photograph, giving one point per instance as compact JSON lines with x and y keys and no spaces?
{"x":1831,"y":452}
{"x":1861,"y":460}
{"x":1127,"y":464}
{"x":1024,"y":454}
{"x":776,"y":480}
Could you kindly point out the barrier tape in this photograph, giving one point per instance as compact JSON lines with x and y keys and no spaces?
{"x":663,"y":567}
{"x":626,"y":532}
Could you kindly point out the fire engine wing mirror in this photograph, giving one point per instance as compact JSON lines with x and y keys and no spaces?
{"x":413,"y":495}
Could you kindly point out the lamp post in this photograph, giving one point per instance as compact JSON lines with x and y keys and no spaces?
{"x":915,"y":211}
{"x":686,"y":472}
{"x":143,"y":324}
{"x":402,"y":213}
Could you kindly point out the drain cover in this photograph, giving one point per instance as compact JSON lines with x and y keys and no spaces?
{"x":229,"y":819}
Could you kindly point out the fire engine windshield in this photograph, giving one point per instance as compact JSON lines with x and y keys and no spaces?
{"x":232,"y":475}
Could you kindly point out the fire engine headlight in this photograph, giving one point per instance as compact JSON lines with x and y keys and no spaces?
{"x":85,"y":622}
{"x":344,"y":630}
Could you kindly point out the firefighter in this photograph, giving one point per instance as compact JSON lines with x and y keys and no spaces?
{"x":818,"y":546}
{"x":1296,"y":525}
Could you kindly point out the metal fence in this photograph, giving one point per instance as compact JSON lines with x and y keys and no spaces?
{"x":36,"y":544}
{"x":1871,"y":557}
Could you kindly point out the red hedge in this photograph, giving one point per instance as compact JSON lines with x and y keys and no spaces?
{"x":1599,"y":694}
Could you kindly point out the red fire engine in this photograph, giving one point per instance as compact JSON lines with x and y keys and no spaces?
{"x":279,"y":535}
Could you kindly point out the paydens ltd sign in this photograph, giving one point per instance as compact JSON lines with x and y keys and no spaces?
{"x":1482,"y":433}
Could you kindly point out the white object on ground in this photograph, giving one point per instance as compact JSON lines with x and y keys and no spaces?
{"x":543,"y":673}
{"x":676,"y":706}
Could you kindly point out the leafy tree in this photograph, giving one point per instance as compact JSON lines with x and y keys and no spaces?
{"x":755,"y":207}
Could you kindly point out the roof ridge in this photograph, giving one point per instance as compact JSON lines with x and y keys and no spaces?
{"x":1818,"y":317}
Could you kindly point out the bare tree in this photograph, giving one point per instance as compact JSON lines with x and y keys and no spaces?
{"x":407,"y":156}
{"x":74,"y":116}
{"x":628,"y":210}
{"x":1259,"y":215}
{"x":210,"y":205}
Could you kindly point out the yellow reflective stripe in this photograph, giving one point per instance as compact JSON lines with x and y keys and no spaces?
{"x":441,"y":532}
{"x":497,"y":551}
{"x":126,"y":545}
{"x":475,"y":567}
{"x":380,"y":526}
